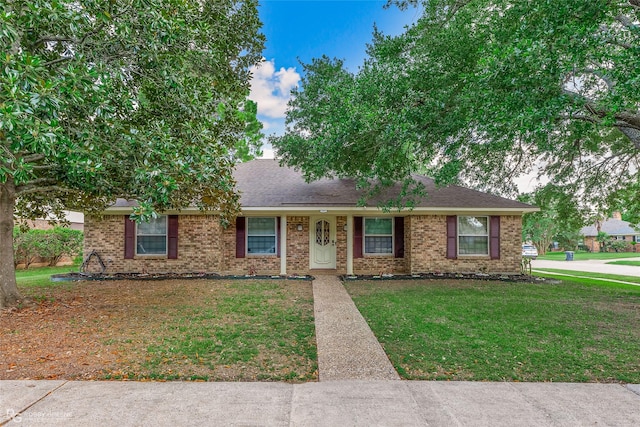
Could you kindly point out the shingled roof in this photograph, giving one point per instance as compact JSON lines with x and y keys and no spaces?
{"x":613,"y":227}
{"x":264,"y":183}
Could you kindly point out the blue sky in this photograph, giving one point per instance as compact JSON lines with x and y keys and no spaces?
{"x":300,"y":30}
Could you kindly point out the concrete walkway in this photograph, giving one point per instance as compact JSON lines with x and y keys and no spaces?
{"x":331,"y":403}
{"x":347,"y":349}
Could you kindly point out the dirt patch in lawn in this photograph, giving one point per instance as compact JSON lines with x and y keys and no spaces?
{"x":174,"y":329}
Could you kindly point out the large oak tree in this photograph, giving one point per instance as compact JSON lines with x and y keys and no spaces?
{"x":142,"y":99}
{"x":482,"y":92}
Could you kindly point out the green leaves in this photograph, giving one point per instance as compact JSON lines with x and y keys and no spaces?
{"x":483,"y":92}
{"x":143,"y":100}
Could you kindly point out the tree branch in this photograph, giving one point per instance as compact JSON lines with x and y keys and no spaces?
{"x":34,"y":183}
{"x":30,"y":189}
{"x":33,"y":158}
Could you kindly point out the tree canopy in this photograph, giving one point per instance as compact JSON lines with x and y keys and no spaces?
{"x":480,"y":92}
{"x":140,"y":99}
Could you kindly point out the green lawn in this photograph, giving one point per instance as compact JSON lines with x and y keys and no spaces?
{"x":633,"y":279}
{"x":41,"y":276}
{"x":636,"y":263}
{"x":580,"y":256}
{"x":483,"y":331}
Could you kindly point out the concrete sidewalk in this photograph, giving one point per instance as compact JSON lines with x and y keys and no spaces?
{"x":331,"y":403}
{"x":591,"y":266}
{"x":347,"y":348}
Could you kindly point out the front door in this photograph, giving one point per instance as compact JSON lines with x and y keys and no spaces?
{"x":322,"y":239}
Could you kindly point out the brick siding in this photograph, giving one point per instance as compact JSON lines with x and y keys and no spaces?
{"x":205,"y":246}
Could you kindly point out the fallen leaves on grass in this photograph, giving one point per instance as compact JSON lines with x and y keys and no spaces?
{"x":110,"y":330}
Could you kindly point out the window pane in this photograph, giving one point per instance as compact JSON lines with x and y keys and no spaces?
{"x":152,"y":245}
{"x":378,"y":245}
{"x":377,"y":226}
{"x":473,"y":225}
{"x":157,"y":226}
{"x":473,"y":245}
{"x":261,"y":244}
{"x":261,"y":226}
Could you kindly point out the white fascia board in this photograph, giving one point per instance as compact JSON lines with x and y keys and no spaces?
{"x":340,"y":210}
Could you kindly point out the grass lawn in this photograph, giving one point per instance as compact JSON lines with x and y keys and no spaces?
{"x":40,"y":276}
{"x":636,"y":263}
{"x":582,"y":256}
{"x":632,"y":279}
{"x":484,"y":331}
{"x":244,"y":330}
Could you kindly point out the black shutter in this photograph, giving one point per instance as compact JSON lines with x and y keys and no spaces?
{"x":129,"y":238}
{"x":452,"y":237}
{"x":240,"y":236}
{"x":398,"y":237}
{"x":172,"y":237}
{"x":494,"y":237}
{"x":357,"y":237}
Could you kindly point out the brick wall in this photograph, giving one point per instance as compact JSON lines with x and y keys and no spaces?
{"x":199,"y":246}
{"x":205,"y":246}
{"x":427,"y":247}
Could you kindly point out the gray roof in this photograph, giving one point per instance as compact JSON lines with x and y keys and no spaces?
{"x":264,"y":183}
{"x":613,"y":227}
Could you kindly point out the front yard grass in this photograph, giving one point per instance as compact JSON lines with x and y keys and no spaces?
{"x":484,"y":331}
{"x":244,"y":330}
{"x":636,"y":263}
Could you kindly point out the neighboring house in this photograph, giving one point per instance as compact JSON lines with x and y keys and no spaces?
{"x":290,"y":227}
{"x":75,"y":221}
{"x":616,"y":228}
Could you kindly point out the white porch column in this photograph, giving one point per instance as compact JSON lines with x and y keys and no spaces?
{"x":349,"y":245}
{"x":283,"y":245}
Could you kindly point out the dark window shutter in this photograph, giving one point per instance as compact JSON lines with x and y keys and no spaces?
{"x":357,"y":237}
{"x":240,"y":236}
{"x":129,"y":238}
{"x":398,"y":237}
{"x":278,"y":236}
{"x":172,"y":235}
{"x":494,"y":237}
{"x":452,"y":237}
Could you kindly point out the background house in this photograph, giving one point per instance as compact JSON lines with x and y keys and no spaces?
{"x":616,"y":228}
{"x":288,"y":226}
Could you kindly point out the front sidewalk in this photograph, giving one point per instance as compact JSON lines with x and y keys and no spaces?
{"x":330,"y":403}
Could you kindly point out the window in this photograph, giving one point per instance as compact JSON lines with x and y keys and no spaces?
{"x":473,"y":235}
{"x":378,"y":236}
{"x":151,"y":237}
{"x":261,"y":236}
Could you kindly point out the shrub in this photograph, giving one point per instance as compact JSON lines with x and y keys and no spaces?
{"x":51,"y":245}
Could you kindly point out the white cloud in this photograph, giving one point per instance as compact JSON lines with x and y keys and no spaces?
{"x":271,"y":89}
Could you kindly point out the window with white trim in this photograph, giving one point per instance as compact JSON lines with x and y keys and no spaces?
{"x":261,"y":236}
{"x":378,"y":236}
{"x":473,"y":235}
{"x":151,"y":236}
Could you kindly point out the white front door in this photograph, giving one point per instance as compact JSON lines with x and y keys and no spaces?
{"x":322,"y":239}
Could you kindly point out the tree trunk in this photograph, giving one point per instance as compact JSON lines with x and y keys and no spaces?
{"x":9,"y":294}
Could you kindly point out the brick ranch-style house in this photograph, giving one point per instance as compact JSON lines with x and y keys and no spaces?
{"x":290,"y":227}
{"x":616,"y":228}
